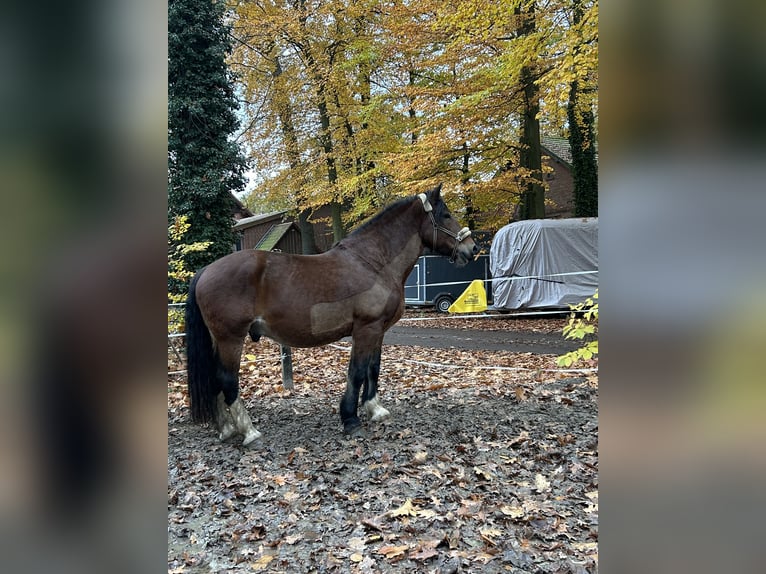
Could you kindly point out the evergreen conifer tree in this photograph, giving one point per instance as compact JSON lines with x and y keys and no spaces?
{"x":205,"y":165}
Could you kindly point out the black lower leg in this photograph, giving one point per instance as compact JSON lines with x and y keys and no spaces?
{"x":371,"y":381}
{"x":229,"y":384}
{"x":348,"y":405}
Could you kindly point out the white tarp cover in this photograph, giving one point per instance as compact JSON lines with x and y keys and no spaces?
{"x":535,"y":251}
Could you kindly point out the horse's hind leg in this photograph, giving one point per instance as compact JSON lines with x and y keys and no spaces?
{"x":232,"y":411}
{"x":225,"y":421}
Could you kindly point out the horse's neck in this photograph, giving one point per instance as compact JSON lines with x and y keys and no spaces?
{"x":394,"y":251}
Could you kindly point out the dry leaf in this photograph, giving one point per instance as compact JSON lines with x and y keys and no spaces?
{"x":391,"y":552}
{"x":512,"y":511}
{"x":420,"y":457}
{"x":291,"y":496}
{"x":406,"y":509}
{"x":423,"y":553}
{"x":489,"y":534}
{"x":262,"y":562}
{"x":483,"y":473}
{"x":293,"y":539}
{"x":587,"y":547}
{"x":541,"y":483}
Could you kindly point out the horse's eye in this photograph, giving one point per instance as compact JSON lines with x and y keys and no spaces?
{"x":447,"y":216}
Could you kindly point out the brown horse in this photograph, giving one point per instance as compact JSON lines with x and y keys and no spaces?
{"x":356,"y":288}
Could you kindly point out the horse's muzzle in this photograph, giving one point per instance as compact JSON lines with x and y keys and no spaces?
{"x":465,"y":252}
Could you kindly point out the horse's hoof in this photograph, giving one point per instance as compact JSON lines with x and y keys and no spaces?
{"x":354,"y":431}
{"x":380,"y":414}
{"x":251,"y":438}
{"x":375,"y":411}
{"x":226,"y":433}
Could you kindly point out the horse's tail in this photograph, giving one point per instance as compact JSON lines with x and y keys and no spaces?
{"x":200,"y":361}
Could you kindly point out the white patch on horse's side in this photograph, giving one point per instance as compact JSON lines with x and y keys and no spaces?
{"x":374,"y":410}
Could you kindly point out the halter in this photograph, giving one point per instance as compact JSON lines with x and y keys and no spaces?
{"x":458,"y":237}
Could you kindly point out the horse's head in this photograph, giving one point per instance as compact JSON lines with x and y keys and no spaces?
{"x":442,"y":233}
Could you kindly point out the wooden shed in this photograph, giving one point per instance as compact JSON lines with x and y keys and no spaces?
{"x":269,"y":231}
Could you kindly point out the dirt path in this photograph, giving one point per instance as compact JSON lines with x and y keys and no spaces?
{"x":511,"y":341}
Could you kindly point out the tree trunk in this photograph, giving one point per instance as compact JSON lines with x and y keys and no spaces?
{"x":285,"y":112}
{"x":465,"y":170}
{"x":532,"y":204}
{"x":411,"y":108}
{"x":325,"y":135}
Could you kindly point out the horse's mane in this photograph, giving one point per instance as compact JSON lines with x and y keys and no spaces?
{"x":439,"y":208}
{"x":381,"y":214}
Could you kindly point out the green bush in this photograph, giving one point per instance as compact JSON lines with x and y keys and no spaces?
{"x":580,"y":327}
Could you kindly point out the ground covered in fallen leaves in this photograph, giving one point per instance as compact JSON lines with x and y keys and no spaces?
{"x":489,"y":463}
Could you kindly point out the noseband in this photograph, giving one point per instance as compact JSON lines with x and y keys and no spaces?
{"x":458,"y":237}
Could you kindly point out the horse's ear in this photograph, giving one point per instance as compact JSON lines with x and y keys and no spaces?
{"x":434,"y":194}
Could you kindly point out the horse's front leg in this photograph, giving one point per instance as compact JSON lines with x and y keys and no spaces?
{"x":357,"y":373}
{"x":363,"y":371}
{"x":370,"y":400}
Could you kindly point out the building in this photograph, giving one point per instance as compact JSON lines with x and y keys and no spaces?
{"x":268,"y":231}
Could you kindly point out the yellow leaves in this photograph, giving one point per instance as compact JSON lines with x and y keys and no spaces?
{"x":177,"y":250}
{"x":445,"y":73}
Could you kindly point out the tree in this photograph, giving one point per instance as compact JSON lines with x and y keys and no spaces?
{"x":205,"y":164}
{"x":387,"y":98}
{"x":581,"y":119}
{"x":532,"y":204}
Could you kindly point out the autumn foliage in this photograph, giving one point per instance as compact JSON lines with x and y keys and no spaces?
{"x":351,"y":104}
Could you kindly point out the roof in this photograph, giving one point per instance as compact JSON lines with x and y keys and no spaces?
{"x":560,"y":148}
{"x":240,"y":208}
{"x":257,"y":219}
{"x":273,"y":235}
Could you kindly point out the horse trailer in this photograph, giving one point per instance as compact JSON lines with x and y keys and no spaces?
{"x":434,"y":281}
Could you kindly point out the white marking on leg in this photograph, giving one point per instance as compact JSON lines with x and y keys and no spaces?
{"x":225,"y":422}
{"x":374,"y":410}
{"x":243,"y":422}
